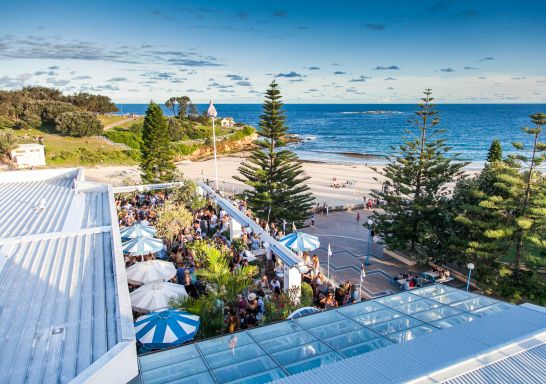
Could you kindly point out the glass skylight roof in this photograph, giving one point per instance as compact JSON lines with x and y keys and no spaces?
{"x":270,"y":352}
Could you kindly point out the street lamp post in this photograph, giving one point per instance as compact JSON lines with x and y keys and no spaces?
{"x":369,"y":251}
{"x":211,"y":112}
{"x":470,"y":267}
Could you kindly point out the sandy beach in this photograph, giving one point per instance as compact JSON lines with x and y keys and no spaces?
{"x":320,"y":181}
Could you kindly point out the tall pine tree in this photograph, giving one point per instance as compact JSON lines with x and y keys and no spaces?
{"x":524,"y":204}
{"x":275,"y":175}
{"x":156,"y":164}
{"x":414,"y":188}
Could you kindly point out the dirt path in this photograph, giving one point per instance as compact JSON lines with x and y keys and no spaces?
{"x":117,"y":123}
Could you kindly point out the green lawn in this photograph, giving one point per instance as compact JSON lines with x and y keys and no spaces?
{"x":110,"y":119}
{"x":69,"y":151}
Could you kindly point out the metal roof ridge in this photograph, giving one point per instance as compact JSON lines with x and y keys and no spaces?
{"x":53,"y":235}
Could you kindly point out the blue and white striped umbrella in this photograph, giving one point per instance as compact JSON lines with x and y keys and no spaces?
{"x":142,"y":246}
{"x":165,"y":329}
{"x":137,"y":230}
{"x":300,"y":242}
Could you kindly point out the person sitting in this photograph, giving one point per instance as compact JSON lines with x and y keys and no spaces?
{"x":263,"y":283}
{"x":275,"y":285}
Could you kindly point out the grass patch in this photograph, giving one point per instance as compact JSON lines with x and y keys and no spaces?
{"x":110,"y":119}
{"x":72,"y":151}
{"x":131,"y":139}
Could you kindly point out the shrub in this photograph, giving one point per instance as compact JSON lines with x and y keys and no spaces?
{"x":8,"y":141}
{"x":78,"y":124}
{"x":184,"y":149}
{"x":131,"y":139}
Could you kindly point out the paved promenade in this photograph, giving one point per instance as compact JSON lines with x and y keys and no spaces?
{"x":349,"y":242}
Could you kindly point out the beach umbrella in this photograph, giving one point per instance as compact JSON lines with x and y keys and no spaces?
{"x":142,"y":246}
{"x":137,"y":230}
{"x":151,"y":271}
{"x":166,"y":328}
{"x":302,"y":312}
{"x":155,"y":296}
{"x":300,"y":242}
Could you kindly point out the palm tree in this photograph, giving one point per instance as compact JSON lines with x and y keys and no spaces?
{"x":222,"y":284}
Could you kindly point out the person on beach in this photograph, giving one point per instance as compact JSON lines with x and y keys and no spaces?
{"x":312,"y":220}
{"x":357,"y":217}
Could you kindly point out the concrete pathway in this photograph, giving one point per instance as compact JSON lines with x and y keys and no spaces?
{"x":349,"y":242}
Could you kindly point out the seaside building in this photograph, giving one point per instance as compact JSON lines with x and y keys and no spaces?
{"x":65,"y":313}
{"x":227,"y":122}
{"x":28,"y":155}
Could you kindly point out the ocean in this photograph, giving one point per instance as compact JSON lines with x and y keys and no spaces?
{"x":365,"y":133}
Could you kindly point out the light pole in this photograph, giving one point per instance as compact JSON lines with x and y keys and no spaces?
{"x":470,"y":267}
{"x":370,"y":223}
{"x":211,"y":112}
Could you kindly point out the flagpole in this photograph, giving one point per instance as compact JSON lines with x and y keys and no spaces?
{"x":329,"y":252}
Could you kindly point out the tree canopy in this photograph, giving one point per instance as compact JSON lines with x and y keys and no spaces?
{"x":414,"y":187}
{"x":157,"y":165}
{"x":278,"y":184}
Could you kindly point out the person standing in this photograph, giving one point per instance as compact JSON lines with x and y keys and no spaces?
{"x":312,"y":220}
{"x":357,"y":217}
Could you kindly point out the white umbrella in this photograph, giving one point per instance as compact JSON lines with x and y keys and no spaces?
{"x":151,"y":271}
{"x":151,"y":297}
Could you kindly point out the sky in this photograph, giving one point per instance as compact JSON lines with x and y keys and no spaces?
{"x":318,"y":51}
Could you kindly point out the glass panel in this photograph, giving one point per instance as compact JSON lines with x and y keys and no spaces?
{"x":411,"y":334}
{"x":274,"y":330}
{"x":352,"y":338}
{"x":360,"y":308}
{"x":433,"y":290}
{"x":436,"y":314}
{"x":336,"y":328}
{"x":449,"y":322}
{"x":320,"y":319}
{"x":313,"y":363}
{"x":395,"y":325}
{"x":452,"y":297}
{"x":475,"y":303}
{"x":222,"y":358}
{"x":170,"y":356}
{"x":287,"y":341}
{"x":174,"y":371}
{"x":378,"y":316}
{"x":401,"y":298}
{"x":262,"y":377}
{"x":233,"y":341}
{"x":366,"y":347}
{"x":243,"y":369}
{"x":416,"y":306}
{"x":492,"y":309}
{"x":201,"y":378}
{"x":302,"y":352}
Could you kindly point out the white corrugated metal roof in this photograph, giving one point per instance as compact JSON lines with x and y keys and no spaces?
{"x":528,"y":366}
{"x":31,"y":207}
{"x":65,"y":312}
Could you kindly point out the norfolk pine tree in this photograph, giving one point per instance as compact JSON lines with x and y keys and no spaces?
{"x":156,"y":164}
{"x":524,"y":204}
{"x":278,"y":188}
{"x":415,"y":188}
